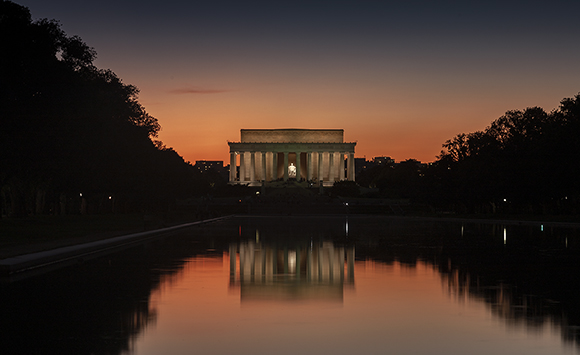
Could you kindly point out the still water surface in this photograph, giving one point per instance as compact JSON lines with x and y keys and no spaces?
{"x":312,"y":286}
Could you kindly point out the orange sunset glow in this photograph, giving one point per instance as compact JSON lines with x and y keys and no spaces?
{"x":390,"y":307}
{"x":400,"y":79}
{"x":289,"y":177}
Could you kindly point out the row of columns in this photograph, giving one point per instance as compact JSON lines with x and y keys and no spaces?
{"x":259,"y":263}
{"x":334,"y":173}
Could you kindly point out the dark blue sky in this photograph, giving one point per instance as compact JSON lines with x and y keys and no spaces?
{"x":399,"y":77}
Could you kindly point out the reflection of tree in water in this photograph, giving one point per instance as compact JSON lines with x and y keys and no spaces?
{"x":520,"y":302}
{"x":98,"y":310}
{"x":504,"y":301}
{"x":530,"y":281}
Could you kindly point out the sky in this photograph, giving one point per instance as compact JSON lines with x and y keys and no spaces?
{"x":400,"y":77}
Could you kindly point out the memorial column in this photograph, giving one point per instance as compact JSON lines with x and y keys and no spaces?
{"x":343,"y":175}
{"x":263,"y":177}
{"x":252,"y":166}
{"x":320,"y":178}
{"x":285,"y":166}
{"x":309,"y":166}
{"x":350,"y":167}
{"x":297,"y":166}
{"x":338,"y":168}
{"x":232,"y":166}
{"x":242,"y":167}
{"x":331,"y":167}
{"x":274,"y":166}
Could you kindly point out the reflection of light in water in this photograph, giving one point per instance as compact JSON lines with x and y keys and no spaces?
{"x":257,"y":236}
{"x":346,"y":228}
{"x":504,"y":235}
{"x":566,"y":242}
{"x":462,"y":230}
{"x":542,"y":227}
{"x":292,"y":261}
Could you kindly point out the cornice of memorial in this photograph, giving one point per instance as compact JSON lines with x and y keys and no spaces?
{"x":230,"y":142}
{"x":292,"y":147}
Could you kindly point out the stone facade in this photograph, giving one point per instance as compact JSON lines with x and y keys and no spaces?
{"x":315,"y":155}
{"x":292,"y":135}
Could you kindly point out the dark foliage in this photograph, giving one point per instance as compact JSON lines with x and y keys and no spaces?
{"x":524,"y":162}
{"x":74,"y":138}
{"x":402,"y":180}
{"x":345,"y":189}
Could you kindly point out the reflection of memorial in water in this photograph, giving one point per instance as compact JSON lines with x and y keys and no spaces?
{"x":318,"y":271}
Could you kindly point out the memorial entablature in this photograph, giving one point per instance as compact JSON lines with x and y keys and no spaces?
{"x":316,"y":155}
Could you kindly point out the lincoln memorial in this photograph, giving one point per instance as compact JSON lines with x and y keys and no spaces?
{"x":316,"y":155}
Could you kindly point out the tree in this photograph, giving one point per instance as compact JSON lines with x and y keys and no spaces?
{"x":69,"y":128}
{"x":525,"y":157}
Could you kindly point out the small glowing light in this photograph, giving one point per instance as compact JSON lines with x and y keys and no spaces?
{"x":347,"y":203}
{"x":505,"y":200}
{"x":504,"y":235}
{"x":257,"y":192}
{"x":81,"y":194}
{"x":110,"y":197}
{"x":542,"y":227}
{"x":292,"y":261}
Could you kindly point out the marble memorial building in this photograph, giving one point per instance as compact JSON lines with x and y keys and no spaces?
{"x":317,"y":155}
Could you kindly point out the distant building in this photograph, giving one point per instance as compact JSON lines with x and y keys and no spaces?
{"x":383,"y":160}
{"x":361,"y":164}
{"x":217,"y":166}
{"x":205,"y":165}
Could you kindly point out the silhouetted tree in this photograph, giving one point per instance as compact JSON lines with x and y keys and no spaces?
{"x":369,"y":177}
{"x":345,"y":189}
{"x":69,"y":128}
{"x":401,"y":180}
{"x":523,"y":162}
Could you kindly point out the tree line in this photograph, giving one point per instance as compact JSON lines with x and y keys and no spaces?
{"x":526,"y":162}
{"x":74,"y":138}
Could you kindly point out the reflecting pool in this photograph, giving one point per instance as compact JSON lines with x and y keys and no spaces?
{"x":310,"y":285}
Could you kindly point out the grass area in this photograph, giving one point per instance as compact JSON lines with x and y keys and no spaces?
{"x":37,"y":233}
{"x":48,"y":228}
{"x":37,"y":229}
